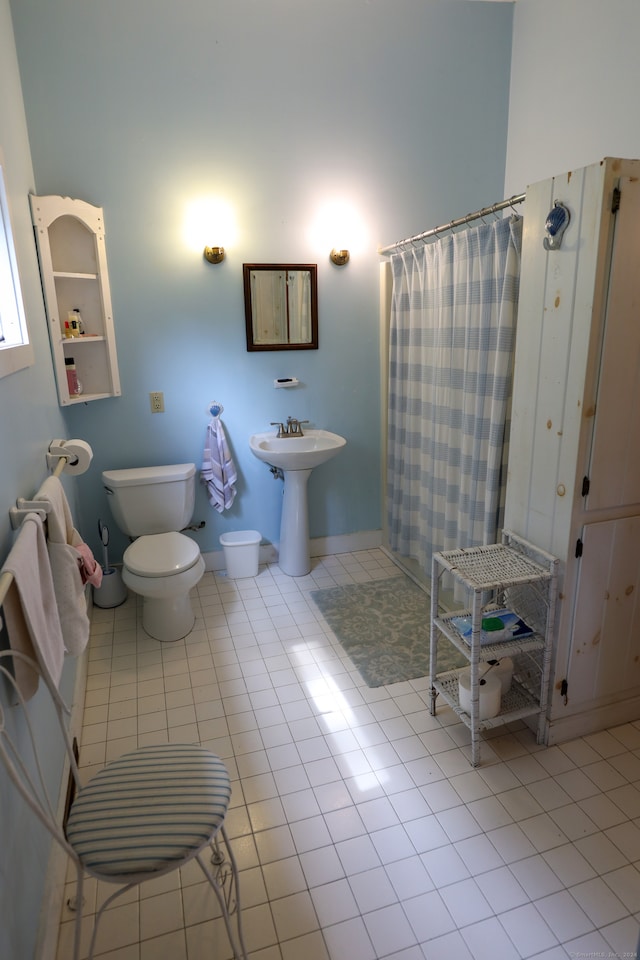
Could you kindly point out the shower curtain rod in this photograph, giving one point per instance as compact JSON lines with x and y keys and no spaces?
{"x":478,"y":215}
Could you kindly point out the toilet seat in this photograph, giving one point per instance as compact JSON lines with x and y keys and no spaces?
{"x":161,"y":555}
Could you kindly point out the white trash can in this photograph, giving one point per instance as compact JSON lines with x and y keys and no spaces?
{"x":241,"y":553}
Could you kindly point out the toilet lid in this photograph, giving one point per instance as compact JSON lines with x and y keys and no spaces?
{"x":161,"y":554}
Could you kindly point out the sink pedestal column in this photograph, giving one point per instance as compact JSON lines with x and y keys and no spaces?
{"x":293,"y":554}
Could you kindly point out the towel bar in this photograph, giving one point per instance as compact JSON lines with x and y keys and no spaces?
{"x":6,"y":579}
{"x":24,"y":507}
{"x":17,"y":515}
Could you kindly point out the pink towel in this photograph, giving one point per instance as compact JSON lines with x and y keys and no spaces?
{"x":90,"y":569}
{"x":30,"y":607}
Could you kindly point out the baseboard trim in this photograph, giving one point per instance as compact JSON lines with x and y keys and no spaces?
{"x":594,"y":720}
{"x":346,"y":543}
{"x":318,"y":547}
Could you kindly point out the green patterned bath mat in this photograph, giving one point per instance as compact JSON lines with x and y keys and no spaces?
{"x":384,"y":627}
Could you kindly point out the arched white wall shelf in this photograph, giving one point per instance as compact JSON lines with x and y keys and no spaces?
{"x":73,"y":266}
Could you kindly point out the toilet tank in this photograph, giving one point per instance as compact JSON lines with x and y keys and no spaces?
{"x":146,"y":500}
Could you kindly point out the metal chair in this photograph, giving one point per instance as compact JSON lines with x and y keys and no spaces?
{"x":142,"y":816}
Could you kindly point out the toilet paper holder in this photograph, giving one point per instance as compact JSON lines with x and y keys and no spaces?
{"x":77,"y":455}
{"x":64,"y":456}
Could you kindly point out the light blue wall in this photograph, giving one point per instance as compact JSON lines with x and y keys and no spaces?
{"x":29,"y":419}
{"x":398,"y":108}
{"x":140,"y":107}
{"x":575,"y":76}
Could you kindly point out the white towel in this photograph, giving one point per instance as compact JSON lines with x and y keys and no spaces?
{"x":30,"y":608}
{"x":59,"y":520}
{"x":218,"y":469}
{"x":63,"y":543}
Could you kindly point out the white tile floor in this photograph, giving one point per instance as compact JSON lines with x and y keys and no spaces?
{"x":361,"y":830}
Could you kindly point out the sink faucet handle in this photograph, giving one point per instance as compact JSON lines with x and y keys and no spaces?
{"x":281,"y":430}
{"x":294,"y":428}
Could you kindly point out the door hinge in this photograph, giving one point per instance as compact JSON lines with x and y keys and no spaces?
{"x":586,"y":483}
{"x":615,"y":200}
{"x":578,"y":547}
{"x":564,"y":688}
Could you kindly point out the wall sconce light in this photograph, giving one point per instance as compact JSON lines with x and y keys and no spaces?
{"x":206,"y":217}
{"x":339,"y":257}
{"x":337,"y":220}
{"x":214,"y":254}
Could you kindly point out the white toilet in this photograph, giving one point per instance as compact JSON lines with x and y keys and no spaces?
{"x":152,"y":504}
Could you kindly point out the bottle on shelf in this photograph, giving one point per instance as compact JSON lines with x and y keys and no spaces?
{"x":72,"y":376}
{"x":72,"y":321}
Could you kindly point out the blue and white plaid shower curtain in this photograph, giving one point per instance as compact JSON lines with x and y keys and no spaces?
{"x":452,"y":336}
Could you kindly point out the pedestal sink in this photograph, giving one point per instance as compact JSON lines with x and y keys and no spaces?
{"x":296,"y":456}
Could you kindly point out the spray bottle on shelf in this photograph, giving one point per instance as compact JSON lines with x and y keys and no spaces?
{"x":74,"y":320}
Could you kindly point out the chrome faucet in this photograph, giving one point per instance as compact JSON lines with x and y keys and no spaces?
{"x":292,"y":428}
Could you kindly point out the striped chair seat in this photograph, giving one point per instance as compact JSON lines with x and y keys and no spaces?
{"x":148,"y":809}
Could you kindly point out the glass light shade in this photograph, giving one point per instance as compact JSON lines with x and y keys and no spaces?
{"x":209,"y":222}
{"x":337,"y":226}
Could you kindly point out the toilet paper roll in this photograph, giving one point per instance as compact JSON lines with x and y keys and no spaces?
{"x":504,"y":672}
{"x":80,"y":454}
{"x":489,"y":693}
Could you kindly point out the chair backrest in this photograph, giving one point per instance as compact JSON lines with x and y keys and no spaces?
{"x":22,"y":761}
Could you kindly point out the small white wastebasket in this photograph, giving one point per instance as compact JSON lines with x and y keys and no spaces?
{"x":241,"y":553}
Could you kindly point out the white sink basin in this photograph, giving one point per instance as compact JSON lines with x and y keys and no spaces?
{"x":296,"y":453}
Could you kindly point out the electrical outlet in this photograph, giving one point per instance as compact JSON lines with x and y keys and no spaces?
{"x":157,"y":402}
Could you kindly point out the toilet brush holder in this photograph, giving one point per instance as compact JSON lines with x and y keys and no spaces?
{"x":112,"y":591}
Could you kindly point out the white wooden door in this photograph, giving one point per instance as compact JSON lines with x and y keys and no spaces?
{"x":605,"y":649}
{"x":576,"y":413}
{"x":605,"y":654}
{"x":614,"y":468}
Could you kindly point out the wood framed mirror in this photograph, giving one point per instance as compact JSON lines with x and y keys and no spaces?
{"x":281,"y":306}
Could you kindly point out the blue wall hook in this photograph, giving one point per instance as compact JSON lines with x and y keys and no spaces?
{"x":556,"y":223}
{"x":215,"y":409}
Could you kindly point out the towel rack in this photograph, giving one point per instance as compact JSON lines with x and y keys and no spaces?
{"x":57,"y":458}
{"x":41,"y":507}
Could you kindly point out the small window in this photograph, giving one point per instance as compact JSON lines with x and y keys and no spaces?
{"x":15,"y":350}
